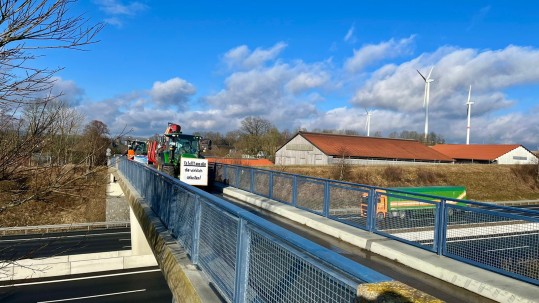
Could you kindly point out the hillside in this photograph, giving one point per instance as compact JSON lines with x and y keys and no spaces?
{"x":483,"y":182}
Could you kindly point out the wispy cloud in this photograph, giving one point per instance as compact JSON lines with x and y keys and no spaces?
{"x":243,"y":57}
{"x":117,"y":9}
{"x":350,"y":35}
{"x":371,"y":54}
{"x":479,"y":17}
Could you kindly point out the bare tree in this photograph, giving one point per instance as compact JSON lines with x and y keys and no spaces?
{"x":252,"y":131}
{"x":30,"y":119}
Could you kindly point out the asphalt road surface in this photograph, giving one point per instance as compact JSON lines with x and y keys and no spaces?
{"x":65,"y":243}
{"x":140,"y":285}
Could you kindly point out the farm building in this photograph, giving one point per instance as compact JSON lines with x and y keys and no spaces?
{"x":307,"y":148}
{"x":487,"y":153}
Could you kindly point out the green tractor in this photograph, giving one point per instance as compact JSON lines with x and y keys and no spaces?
{"x":179,"y":155}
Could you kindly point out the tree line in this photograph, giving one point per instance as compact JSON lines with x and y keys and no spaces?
{"x":258,"y":137}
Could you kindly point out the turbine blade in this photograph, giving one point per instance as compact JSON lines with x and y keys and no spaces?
{"x":424,"y":79}
{"x":366,"y":111}
{"x":428,"y":77}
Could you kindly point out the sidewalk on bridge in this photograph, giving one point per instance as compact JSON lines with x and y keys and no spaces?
{"x":485,"y":283}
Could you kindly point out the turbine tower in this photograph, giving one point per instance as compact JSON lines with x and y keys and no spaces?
{"x":368,"y":123}
{"x":427,"y":80}
{"x":469,"y":108}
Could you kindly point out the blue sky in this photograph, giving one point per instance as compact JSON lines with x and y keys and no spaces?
{"x":305,"y":64}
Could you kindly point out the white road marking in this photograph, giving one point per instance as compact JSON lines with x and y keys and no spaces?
{"x":82,"y":278}
{"x":64,"y":237}
{"x":94,"y":296}
{"x":508,"y":248}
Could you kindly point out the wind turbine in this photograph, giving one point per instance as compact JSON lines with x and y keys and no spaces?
{"x":469,"y":109}
{"x":368,"y":123}
{"x":427,"y":80}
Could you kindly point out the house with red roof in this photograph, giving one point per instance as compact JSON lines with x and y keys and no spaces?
{"x":487,"y":153}
{"x":307,"y":148}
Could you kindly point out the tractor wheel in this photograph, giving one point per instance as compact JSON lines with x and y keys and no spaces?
{"x":168,"y":169}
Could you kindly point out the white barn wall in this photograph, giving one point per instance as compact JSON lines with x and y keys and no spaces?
{"x":519,"y":155}
{"x":299,"y":151}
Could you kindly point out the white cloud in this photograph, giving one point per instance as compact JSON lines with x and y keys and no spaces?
{"x":350,"y":37}
{"x":173,"y":92}
{"x":291,"y":94}
{"x":371,"y":54}
{"x":117,"y":9}
{"x":243,"y":57}
{"x":399,"y":89}
{"x":67,"y":90}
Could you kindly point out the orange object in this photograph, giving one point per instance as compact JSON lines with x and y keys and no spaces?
{"x":241,"y":161}
{"x":130,"y":154}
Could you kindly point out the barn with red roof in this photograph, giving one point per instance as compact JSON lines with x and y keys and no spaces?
{"x":487,"y":153}
{"x":307,"y":148}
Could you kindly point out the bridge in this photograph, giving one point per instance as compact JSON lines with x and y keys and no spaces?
{"x":211,"y":250}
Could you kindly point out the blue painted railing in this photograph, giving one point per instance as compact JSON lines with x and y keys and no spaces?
{"x":247,"y":258}
{"x":497,"y":238}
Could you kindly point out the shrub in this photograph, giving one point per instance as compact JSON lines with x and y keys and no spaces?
{"x":393,"y":174}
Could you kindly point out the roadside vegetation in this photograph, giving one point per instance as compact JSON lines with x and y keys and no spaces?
{"x":49,"y":161}
{"x":482,"y":182}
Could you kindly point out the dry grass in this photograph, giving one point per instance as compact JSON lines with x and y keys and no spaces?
{"x":89,"y":206}
{"x":483,"y":182}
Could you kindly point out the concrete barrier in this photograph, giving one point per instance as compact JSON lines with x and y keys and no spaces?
{"x":73,"y":264}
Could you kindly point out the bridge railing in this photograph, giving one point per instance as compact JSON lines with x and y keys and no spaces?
{"x":497,"y":238}
{"x":247,"y":258}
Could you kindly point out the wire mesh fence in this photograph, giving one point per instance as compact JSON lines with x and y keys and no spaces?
{"x":497,"y":238}
{"x":247,"y":258}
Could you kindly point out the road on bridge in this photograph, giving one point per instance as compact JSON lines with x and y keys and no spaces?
{"x":65,"y":243}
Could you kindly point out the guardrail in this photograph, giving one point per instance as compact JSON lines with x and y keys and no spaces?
{"x":17,"y":230}
{"x":498,"y":238}
{"x":247,"y":258}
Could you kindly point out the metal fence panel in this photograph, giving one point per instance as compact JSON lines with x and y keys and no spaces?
{"x":245,"y":178}
{"x":217,"y":247}
{"x":348,"y":204}
{"x":310,"y":194}
{"x":279,"y":273}
{"x":261,"y":183}
{"x":282,"y":188}
{"x":503,"y":243}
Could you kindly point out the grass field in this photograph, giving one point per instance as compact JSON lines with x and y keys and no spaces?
{"x":483,"y":182}
{"x":87,"y":205}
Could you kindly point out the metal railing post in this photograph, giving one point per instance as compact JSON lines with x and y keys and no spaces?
{"x":270,"y":189}
{"x":440,"y":227}
{"x":371,"y":209}
{"x":242,"y":262}
{"x":252,"y":186}
{"x":294,"y":191}
{"x":237,"y":185}
{"x":325,"y":210}
{"x":196,"y":230}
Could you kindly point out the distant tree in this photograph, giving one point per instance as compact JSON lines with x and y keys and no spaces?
{"x":378,"y":134}
{"x":95,"y":142}
{"x":252,"y":131}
